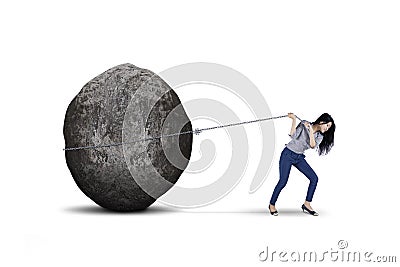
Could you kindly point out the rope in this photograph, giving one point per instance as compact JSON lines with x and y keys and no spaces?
{"x":196,"y":131}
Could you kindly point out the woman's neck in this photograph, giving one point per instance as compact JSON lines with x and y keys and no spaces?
{"x":315,"y":128}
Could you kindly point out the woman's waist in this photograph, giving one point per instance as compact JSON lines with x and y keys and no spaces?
{"x":293,"y":152}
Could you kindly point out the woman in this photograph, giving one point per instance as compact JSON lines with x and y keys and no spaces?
{"x":321,"y":137}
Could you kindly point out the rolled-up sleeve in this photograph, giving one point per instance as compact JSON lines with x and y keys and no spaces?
{"x":296,"y":133}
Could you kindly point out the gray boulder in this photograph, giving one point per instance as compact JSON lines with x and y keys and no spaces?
{"x":121,"y":105}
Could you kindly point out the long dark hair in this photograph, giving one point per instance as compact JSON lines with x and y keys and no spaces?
{"x":328,"y":140}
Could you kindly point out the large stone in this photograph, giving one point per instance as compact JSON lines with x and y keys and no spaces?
{"x":119,"y":102}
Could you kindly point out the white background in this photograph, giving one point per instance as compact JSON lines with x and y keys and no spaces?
{"x":306,"y":57}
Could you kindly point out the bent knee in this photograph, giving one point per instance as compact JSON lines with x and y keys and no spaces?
{"x":314,"y":179}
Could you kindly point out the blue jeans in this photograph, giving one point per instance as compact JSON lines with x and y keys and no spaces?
{"x":289,"y":158}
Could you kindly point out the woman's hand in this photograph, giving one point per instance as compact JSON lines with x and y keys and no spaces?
{"x":291,"y":115}
{"x":309,"y":126}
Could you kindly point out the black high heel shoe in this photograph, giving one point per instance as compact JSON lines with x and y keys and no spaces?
{"x":312,"y":212}
{"x":275,"y":213}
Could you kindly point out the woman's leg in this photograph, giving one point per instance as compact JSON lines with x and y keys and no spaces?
{"x":306,"y":169}
{"x":285,"y":164}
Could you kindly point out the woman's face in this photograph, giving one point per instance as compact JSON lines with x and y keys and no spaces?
{"x":325,"y":126}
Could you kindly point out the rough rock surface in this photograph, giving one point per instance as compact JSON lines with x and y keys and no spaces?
{"x":96,"y":117}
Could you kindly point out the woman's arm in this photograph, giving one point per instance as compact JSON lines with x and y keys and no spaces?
{"x":312,"y":139}
{"x":293,"y":129}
